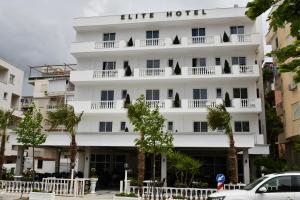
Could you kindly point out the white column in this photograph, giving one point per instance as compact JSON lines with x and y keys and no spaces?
{"x":163,"y":169}
{"x":87,"y":155}
{"x":246,"y":166}
{"x":19,"y":163}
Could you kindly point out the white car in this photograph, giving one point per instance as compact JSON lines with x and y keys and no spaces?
{"x":282,"y":186}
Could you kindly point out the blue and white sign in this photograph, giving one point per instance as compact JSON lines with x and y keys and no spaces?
{"x":220,"y":178}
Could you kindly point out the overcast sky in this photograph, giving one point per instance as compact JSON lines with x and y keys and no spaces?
{"x":38,"y":32}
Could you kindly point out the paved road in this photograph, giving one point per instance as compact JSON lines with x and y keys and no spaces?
{"x":100,"y":195}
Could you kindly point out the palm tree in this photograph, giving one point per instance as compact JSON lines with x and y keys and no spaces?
{"x":65,"y":115}
{"x":218,"y":117}
{"x":6,"y":120}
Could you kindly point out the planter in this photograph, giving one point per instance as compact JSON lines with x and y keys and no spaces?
{"x":41,"y":195}
{"x":125,"y":198}
{"x":93,"y":185}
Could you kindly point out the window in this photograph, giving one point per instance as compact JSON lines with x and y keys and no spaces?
{"x":107,"y":95}
{"x":219,"y":93}
{"x":276,"y":43}
{"x":170,"y":126}
{"x":123,"y":126}
{"x":11,"y":79}
{"x":199,"y":62}
{"x":200,"y":127}
{"x":124,"y":93}
{"x":278,"y":184}
{"x":153,"y":64}
{"x":170,"y":62}
{"x":238,"y":60}
{"x":170,"y":93}
{"x":241,"y":93}
{"x":218,"y":61}
{"x":199,"y":93}
{"x":196,"y":32}
{"x":152,"y":95}
{"x":152,"y":34}
{"x":105,"y":127}
{"x":109,"y":36}
{"x":296,"y":111}
{"x":295,"y":183}
{"x":241,"y":126}
{"x":111,"y":65}
{"x":40,"y":164}
{"x":5,"y":95}
{"x":125,"y":64}
{"x":237,"y":30}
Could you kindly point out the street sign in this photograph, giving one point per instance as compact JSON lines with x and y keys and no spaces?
{"x":220,"y":178}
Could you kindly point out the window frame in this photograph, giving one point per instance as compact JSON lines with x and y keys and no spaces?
{"x":122,"y":126}
{"x":170,"y":124}
{"x":244,"y":126}
{"x":124,"y":93}
{"x":110,"y":36}
{"x":12,"y":78}
{"x":172,"y":93}
{"x":271,"y":179}
{"x":105,"y":126}
{"x":152,"y":91}
{"x":200,"y":129}
{"x":152,"y":34}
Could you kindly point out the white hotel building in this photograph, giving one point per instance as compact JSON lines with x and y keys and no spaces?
{"x":103,"y":52}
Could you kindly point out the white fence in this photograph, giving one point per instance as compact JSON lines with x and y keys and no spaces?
{"x":64,"y":187}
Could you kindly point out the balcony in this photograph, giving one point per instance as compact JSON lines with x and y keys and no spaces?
{"x":166,"y":106}
{"x":165,"y":74}
{"x":140,"y":46}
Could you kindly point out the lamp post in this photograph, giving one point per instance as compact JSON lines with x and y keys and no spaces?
{"x":125,"y":178}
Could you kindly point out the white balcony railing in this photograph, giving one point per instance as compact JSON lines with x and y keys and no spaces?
{"x":152,"y":42}
{"x":52,"y":107}
{"x":248,"y":103}
{"x":246,"y":68}
{"x":151,"y":72}
{"x":155,"y":103}
{"x":103,"y":105}
{"x":244,"y":37}
{"x":210,"y":39}
{"x":105,"y":74}
{"x":106,"y":44}
{"x":201,"y":103}
{"x":207,"y":70}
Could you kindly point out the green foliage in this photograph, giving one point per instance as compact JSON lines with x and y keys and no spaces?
{"x":93,"y":173}
{"x":268,"y":75}
{"x":296,"y":144}
{"x":273,"y":121}
{"x":227,"y":69}
{"x":9,"y":176}
{"x":37,"y":190}
{"x":274,"y":166}
{"x":284,"y":13}
{"x":127,"y":101}
{"x":177,"y":101}
{"x":177,"y":70}
{"x":185,"y":168}
{"x":176,"y":40}
{"x":128,"y":71}
{"x":225,"y":37}
{"x":6,"y":119}
{"x":227,"y":101}
{"x":130,"y":42}
{"x":123,"y":194}
{"x":29,"y":130}
{"x":218,"y":117}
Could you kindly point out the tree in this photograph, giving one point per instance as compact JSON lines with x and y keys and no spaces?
{"x":177,"y":101}
{"x":225,"y":37}
{"x":286,"y":13}
{"x":149,"y":122}
{"x":6,"y":120}
{"x":219,"y":117}
{"x":29,"y":131}
{"x":226,"y":67}
{"x":65,"y":115}
{"x":177,"y":70}
{"x":130,"y":42}
{"x":176,"y":40}
{"x":227,"y":101}
{"x":128,"y":71}
{"x":127,"y":101}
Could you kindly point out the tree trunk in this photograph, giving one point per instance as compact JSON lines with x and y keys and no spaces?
{"x":141,"y":163}
{"x":2,"y":151}
{"x":73,"y":152}
{"x":233,"y":160}
{"x":33,"y":165}
{"x":153,"y":178}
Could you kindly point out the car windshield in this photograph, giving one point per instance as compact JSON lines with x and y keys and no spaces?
{"x":250,"y":186}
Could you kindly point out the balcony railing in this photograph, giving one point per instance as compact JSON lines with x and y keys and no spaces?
{"x":244,"y":37}
{"x":248,"y":103}
{"x":106,"y":44}
{"x":207,"y":70}
{"x":155,"y":103}
{"x":152,"y":42}
{"x":202,"y":39}
{"x":201,"y":103}
{"x":52,"y":106}
{"x":246,"y":69}
{"x":151,"y":72}
{"x":105,"y":74}
{"x":103,"y":105}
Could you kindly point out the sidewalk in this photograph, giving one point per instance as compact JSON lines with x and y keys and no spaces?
{"x":100,"y":195}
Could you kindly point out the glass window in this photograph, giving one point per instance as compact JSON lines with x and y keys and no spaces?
{"x":11,"y":79}
{"x":170,"y":63}
{"x":123,"y":126}
{"x":109,"y":65}
{"x":152,"y":34}
{"x":105,"y":126}
{"x":240,"y":93}
{"x":241,"y":126}
{"x":278,"y":184}
{"x":237,"y":126}
{"x":237,"y":30}
{"x":295,"y":183}
{"x":196,"y":126}
{"x":170,"y":126}
{"x":198,"y":32}
{"x":5,"y":95}
{"x":109,"y":36}
{"x":153,"y":64}
{"x":200,"y":127}
{"x":218,"y":61}
{"x":170,"y":93}
{"x":40,"y":164}
{"x":199,"y":62}
{"x":202,"y":62}
{"x":199,"y":93}
{"x":204,"y":127}
{"x":238,"y":60}
{"x":125,"y":64}
{"x":124,"y":93}
{"x":152,"y":94}
{"x":219,"y":93}
{"x":107,"y":95}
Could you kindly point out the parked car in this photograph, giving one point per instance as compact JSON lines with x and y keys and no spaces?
{"x":281,"y":186}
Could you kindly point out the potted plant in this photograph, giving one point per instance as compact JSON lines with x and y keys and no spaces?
{"x":225,"y":37}
{"x":40,"y":194}
{"x":227,"y":69}
{"x":177,"y":101}
{"x":176,"y":40}
{"x":128,"y":71}
{"x":227,"y":101}
{"x":125,"y":196}
{"x":130,"y":42}
{"x":127,"y":101}
{"x":177,"y":70}
{"x":126,"y":130}
{"x":93,"y":179}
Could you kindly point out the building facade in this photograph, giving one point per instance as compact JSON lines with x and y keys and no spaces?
{"x":11,"y":83}
{"x":287,"y":95}
{"x":160,"y":55}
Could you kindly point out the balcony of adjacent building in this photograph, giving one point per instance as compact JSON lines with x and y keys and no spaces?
{"x":169,"y":106}
{"x":184,"y":44}
{"x":58,"y":101}
{"x":166,"y":74}
{"x":3,"y":75}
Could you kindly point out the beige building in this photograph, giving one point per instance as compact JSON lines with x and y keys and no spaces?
{"x":287,"y":97}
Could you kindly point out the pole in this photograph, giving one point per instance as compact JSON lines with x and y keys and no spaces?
{"x":125,"y":180}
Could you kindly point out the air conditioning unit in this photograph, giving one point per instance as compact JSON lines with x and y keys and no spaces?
{"x":292,"y":86}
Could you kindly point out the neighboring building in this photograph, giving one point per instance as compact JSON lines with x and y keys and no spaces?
{"x":11,"y":83}
{"x":287,"y":97}
{"x":107,"y":47}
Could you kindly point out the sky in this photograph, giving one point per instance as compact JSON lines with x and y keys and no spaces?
{"x":38,"y":32}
